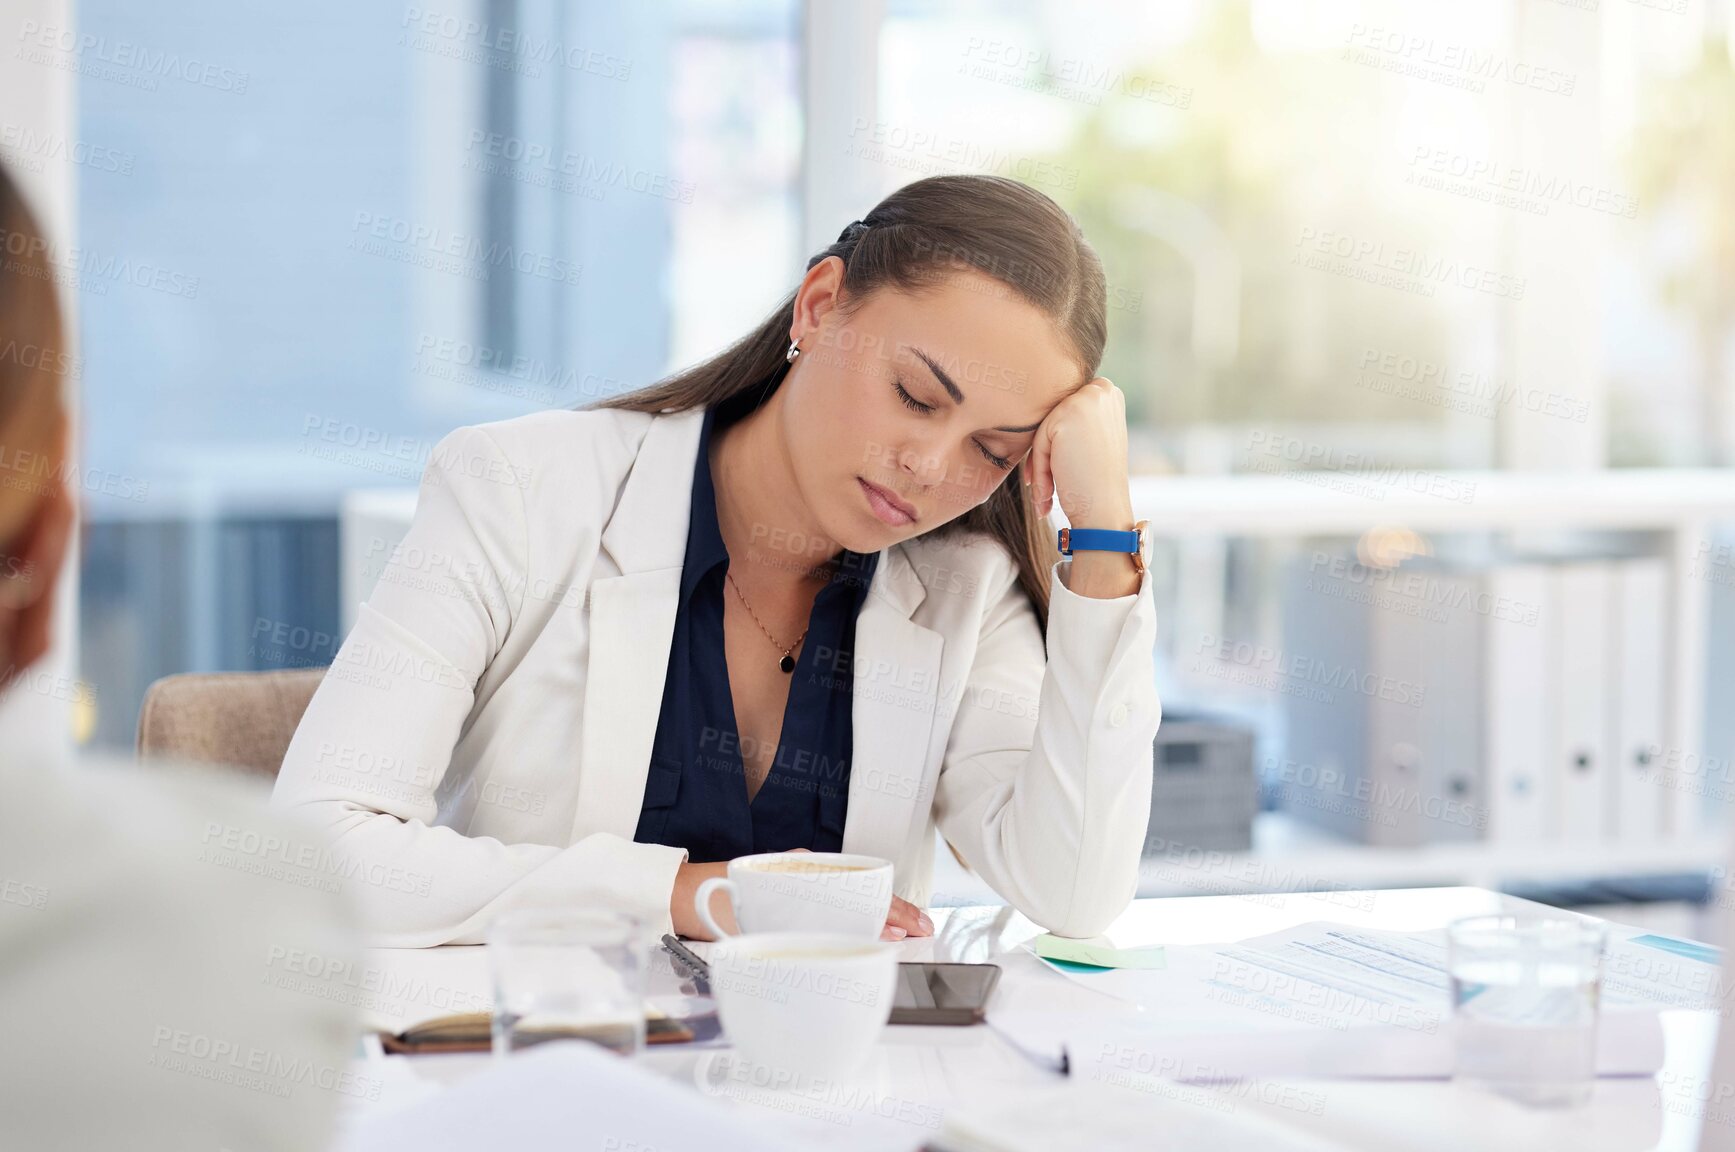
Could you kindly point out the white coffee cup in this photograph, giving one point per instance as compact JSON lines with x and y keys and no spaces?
{"x":808,"y":1003}
{"x":803,"y":891}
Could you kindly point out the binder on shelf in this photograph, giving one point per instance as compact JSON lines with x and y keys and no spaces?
{"x":1639,"y":670}
{"x":1583,"y":653}
{"x":1400,"y":760}
{"x":1323,"y":777}
{"x":1518,"y":693}
{"x":1442,"y":650}
{"x":1384,"y":746}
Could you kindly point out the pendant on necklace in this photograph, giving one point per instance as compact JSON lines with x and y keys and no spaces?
{"x":787,"y":663}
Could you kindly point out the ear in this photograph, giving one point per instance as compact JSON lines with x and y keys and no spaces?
{"x":26,"y":631}
{"x":818,"y":297}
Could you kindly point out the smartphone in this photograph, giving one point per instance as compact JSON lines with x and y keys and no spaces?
{"x":943,"y":993}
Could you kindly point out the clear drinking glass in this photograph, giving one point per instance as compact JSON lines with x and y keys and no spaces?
{"x":1525,"y":994}
{"x":562,"y":974}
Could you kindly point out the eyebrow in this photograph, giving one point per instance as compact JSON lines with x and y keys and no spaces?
{"x":957,"y":394}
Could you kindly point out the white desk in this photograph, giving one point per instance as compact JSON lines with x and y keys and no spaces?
{"x":918,"y":1072}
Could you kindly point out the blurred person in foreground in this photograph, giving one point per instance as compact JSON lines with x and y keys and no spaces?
{"x":154,"y":951}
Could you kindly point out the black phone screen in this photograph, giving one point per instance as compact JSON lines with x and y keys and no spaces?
{"x":943,"y":993}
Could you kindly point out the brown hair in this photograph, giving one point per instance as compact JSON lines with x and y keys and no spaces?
{"x":33,"y":358}
{"x":914,"y":239}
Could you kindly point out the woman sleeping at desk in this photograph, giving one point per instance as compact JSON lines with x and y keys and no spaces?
{"x":804,"y":594}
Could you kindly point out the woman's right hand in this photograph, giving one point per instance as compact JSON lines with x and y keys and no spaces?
{"x":682,"y":911}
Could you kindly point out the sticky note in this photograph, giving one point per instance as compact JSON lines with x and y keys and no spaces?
{"x":1097,"y":953}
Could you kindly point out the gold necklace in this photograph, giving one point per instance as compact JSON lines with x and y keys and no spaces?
{"x":787,"y":663}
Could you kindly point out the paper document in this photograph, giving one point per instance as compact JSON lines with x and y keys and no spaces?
{"x":1331,"y":974}
{"x":1323,"y":999}
{"x":1106,"y":1117}
{"x":1627,"y":1044}
{"x":548,"y":1097}
{"x":1640,"y":971}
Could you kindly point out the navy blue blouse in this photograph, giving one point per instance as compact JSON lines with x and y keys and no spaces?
{"x":696,"y":791}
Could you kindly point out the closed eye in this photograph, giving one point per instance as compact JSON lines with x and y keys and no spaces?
{"x":915,"y":405}
{"x":910,"y":402}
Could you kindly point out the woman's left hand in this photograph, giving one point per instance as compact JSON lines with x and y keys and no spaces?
{"x":1080,"y":457}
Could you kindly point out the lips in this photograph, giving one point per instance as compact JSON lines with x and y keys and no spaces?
{"x":888,"y":505}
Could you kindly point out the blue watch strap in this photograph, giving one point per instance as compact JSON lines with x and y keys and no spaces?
{"x":1097,"y":540}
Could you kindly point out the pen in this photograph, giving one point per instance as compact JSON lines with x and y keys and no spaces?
{"x":701,"y":971}
{"x":1062,"y":1065}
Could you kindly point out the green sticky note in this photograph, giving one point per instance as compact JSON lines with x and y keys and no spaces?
{"x":1069,"y":966}
{"x":1097,"y":953}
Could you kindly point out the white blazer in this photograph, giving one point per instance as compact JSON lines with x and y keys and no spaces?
{"x":484,"y":734}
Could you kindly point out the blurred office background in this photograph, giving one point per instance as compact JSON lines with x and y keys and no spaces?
{"x":1411,"y":248}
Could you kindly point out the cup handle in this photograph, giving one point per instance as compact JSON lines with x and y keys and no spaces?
{"x":702,"y":903}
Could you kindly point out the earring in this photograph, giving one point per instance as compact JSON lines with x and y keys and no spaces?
{"x":789,"y":356}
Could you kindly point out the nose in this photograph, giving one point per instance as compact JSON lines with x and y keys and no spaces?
{"x":918,"y":464}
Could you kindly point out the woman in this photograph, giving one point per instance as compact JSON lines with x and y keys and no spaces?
{"x":794,"y":597}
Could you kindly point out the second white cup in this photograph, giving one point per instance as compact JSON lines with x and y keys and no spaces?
{"x":804,"y":1003}
{"x":803,"y":892}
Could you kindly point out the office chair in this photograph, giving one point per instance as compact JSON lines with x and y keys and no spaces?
{"x":240,"y":719}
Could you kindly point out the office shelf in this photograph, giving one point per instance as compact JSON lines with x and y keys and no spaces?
{"x":1288,"y":856}
{"x":1682,"y":507}
{"x":1327,"y":502}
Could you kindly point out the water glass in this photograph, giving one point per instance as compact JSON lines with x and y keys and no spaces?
{"x":1525,"y":994}
{"x":567,"y":974}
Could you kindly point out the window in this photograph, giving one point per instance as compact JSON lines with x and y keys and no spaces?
{"x":363,"y":228}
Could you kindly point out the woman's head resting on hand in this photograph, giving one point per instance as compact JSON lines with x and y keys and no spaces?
{"x":932,"y":338}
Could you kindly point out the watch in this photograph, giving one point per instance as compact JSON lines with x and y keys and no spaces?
{"x":1135,"y":542}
